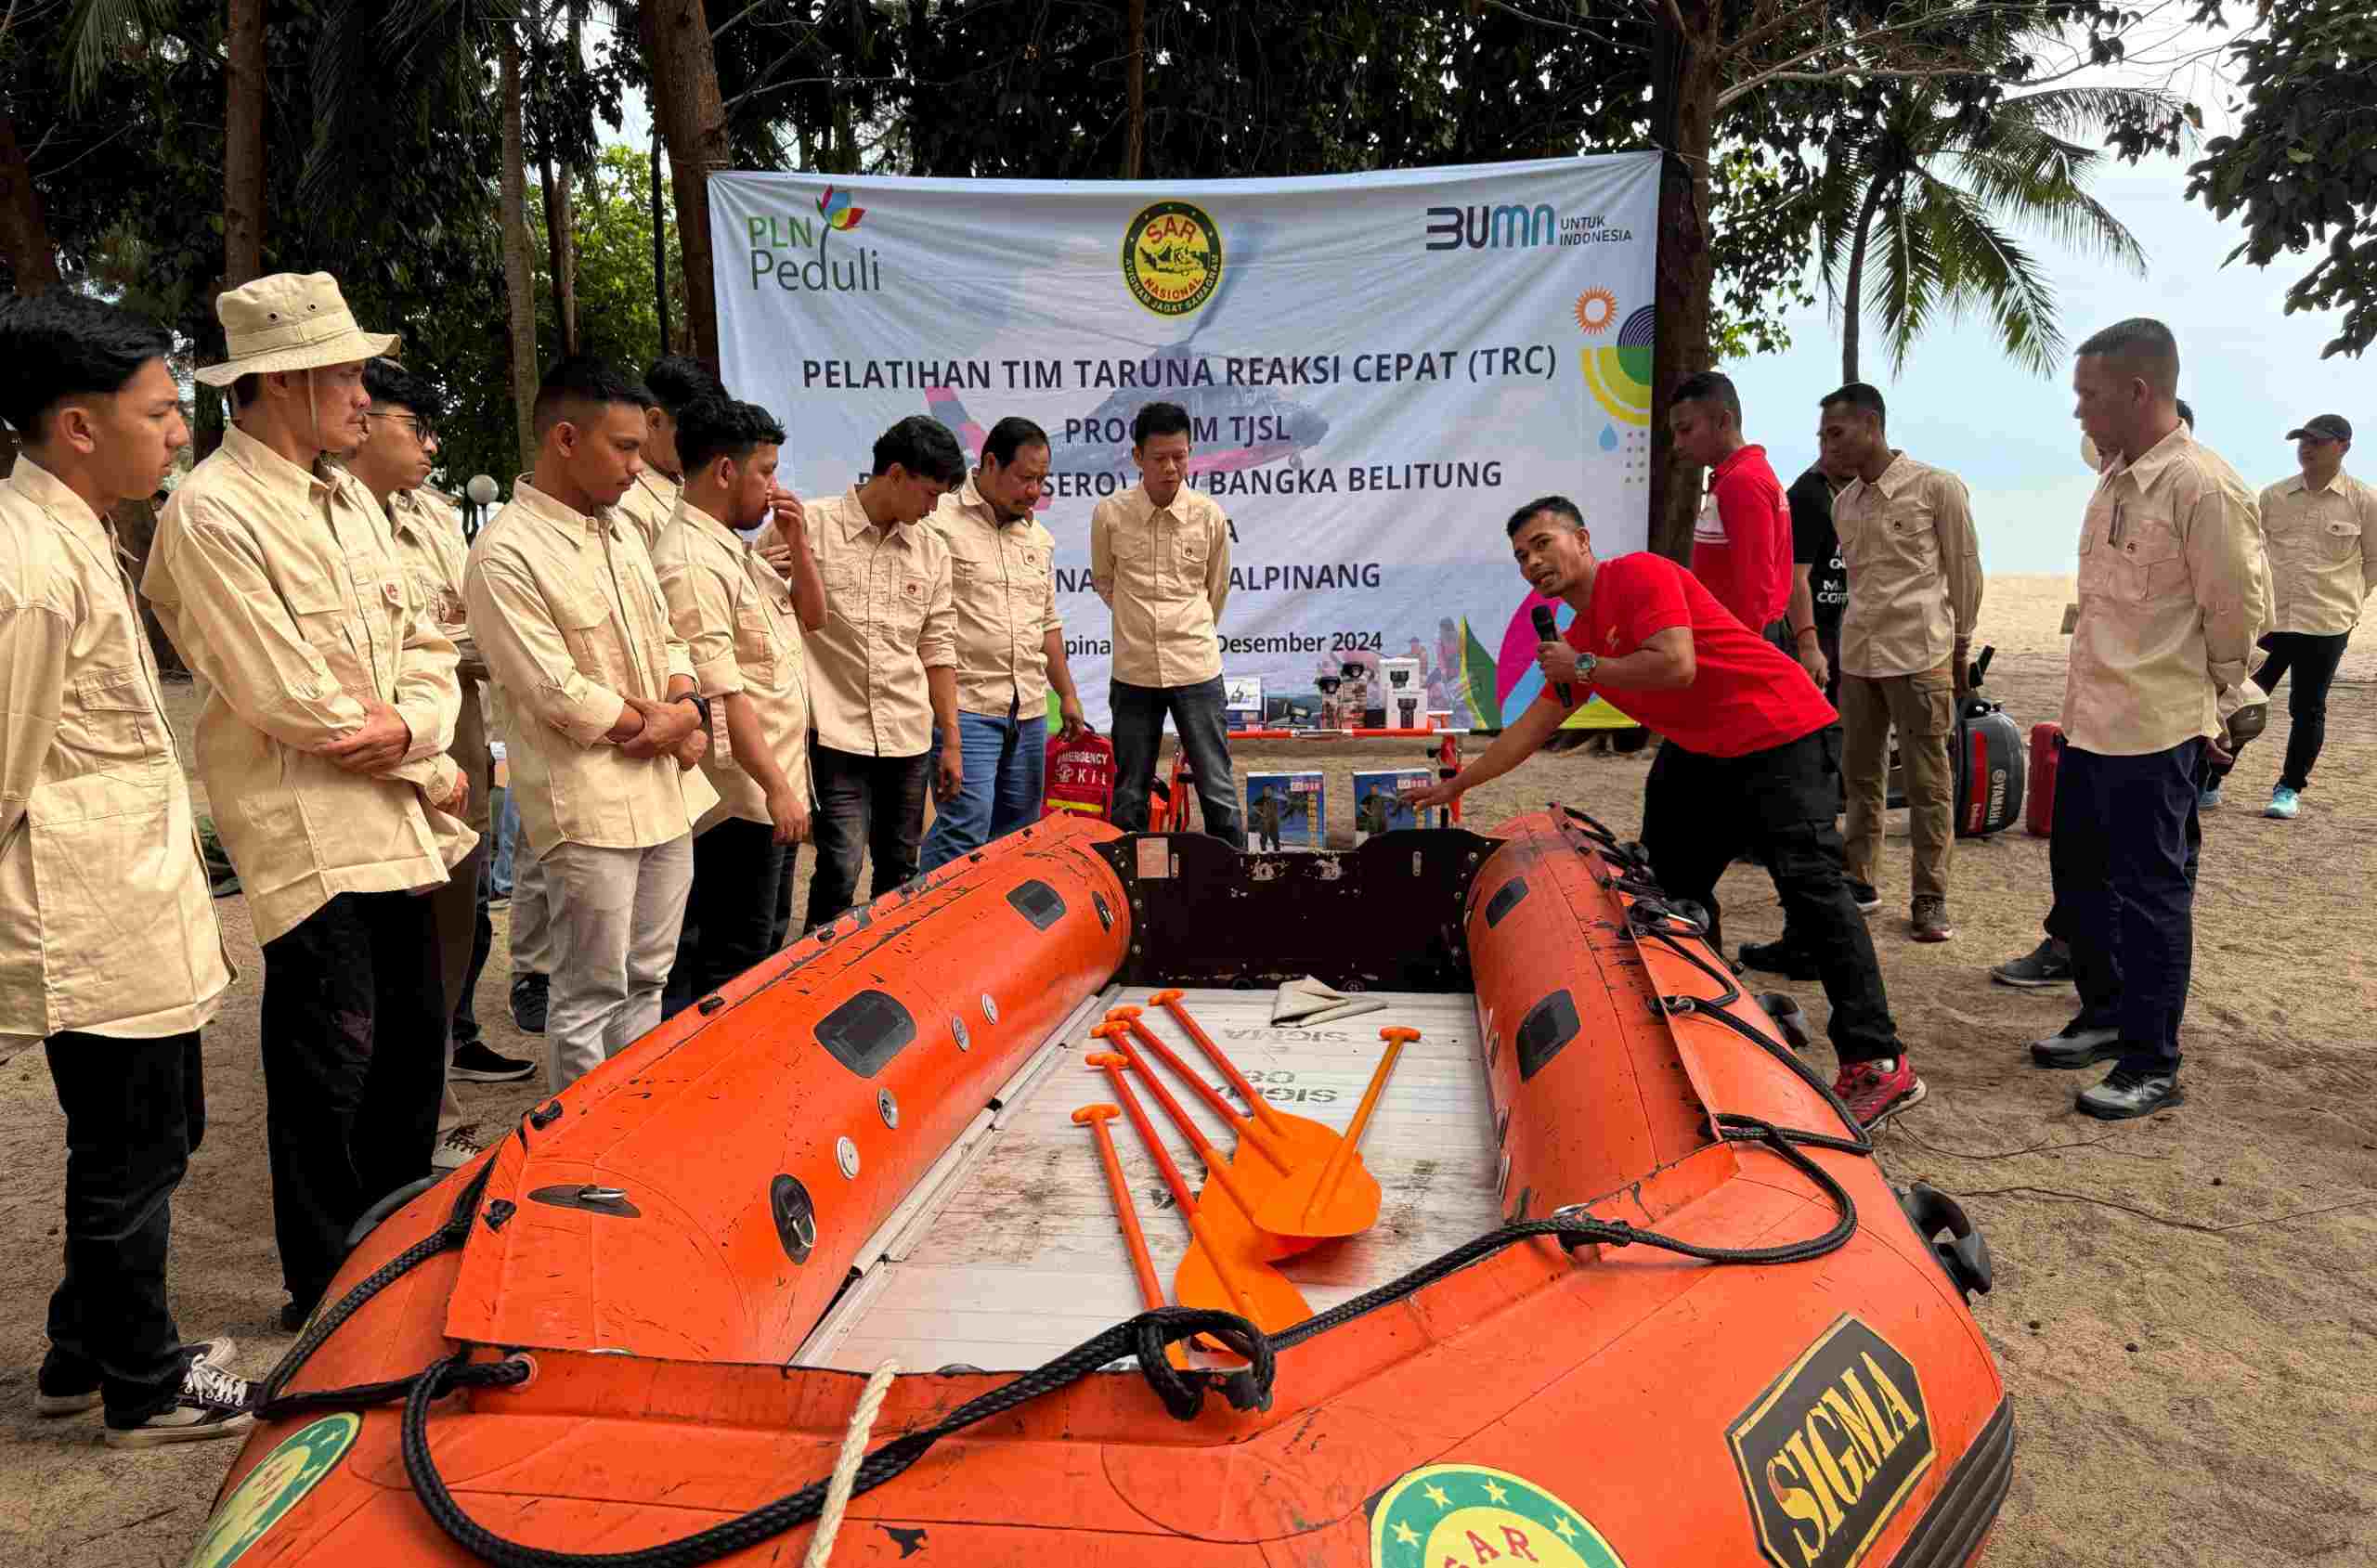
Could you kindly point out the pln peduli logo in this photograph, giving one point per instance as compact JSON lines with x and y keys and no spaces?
{"x":1172,"y":257}
{"x":794,"y":250}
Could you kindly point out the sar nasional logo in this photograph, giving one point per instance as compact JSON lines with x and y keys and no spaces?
{"x":1172,"y":257}
{"x":795,"y":250}
{"x":1468,"y":1515}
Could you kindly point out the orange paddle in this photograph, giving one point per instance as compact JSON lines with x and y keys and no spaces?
{"x":1230,"y":1208}
{"x":1126,"y":1214}
{"x":1340,"y":1196}
{"x":1301,"y":1134}
{"x":1282,"y":1156}
{"x":1220,"y":1269}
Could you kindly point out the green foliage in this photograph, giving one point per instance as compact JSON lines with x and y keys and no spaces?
{"x":1943,"y":188}
{"x":2302,"y":168}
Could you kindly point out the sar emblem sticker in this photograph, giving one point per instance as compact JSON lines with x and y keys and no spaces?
{"x":1172,"y":257}
{"x":1469,"y":1515}
{"x":273,"y":1489}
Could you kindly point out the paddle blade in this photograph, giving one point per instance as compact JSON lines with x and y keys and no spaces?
{"x":1307,"y":1203}
{"x":1262,"y":1297}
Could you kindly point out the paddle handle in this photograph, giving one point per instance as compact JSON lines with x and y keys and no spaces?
{"x":1113,"y":1062}
{"x":1335,"y":1172}
{"x":1221,"y":1107}
{"x":1170,"y":1002}
{"x":1126,"y":1214}
{"x":1215,"y":1166}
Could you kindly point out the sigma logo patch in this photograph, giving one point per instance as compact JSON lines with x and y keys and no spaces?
{"x":1832,"y":1448}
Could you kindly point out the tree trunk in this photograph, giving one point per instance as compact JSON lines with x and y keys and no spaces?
{"x":24,"y":233}
{"x":1853,"y":291}
{"x":560,"y":254}
{"x":693,"y":119}
{"x":243,"y":101}
{"x":1683,"y":116}
{"x":659,"y":246}
{"x":135,"y":530}
{"x":1134,"y":76}
{"x":518,"y":288}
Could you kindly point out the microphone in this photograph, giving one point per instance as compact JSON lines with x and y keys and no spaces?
{"x":1546,"y":630}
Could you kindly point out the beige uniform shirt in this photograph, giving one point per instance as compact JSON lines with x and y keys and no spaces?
{"x":742,"y":634}
{"x":1914,"y":568}
{"x":2172,"y":594}
{"x":889,"y":618}
{"x":109,"y":928}
{"x":1164,"y":572}
{"x":571,"y":620}
{"x":429,"y":540}
{"x":649,"y":505}
{"x":2323,"y":552}
{"x":1003,"y":579}
{"x":282,"y":588}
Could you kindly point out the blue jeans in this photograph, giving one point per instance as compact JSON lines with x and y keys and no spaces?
{"x":1007,"y":762}
{"x":1205,"y":735}
{"x":506,"y":838}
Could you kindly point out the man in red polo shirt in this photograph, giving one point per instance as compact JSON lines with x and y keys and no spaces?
{"x":1742,"y":770}
{"x":1741,"y":543}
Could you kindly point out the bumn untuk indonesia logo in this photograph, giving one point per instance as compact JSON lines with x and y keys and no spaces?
{"x":778,"y":239}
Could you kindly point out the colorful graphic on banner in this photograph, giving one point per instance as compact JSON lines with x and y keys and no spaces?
{"x":1378,"y":369}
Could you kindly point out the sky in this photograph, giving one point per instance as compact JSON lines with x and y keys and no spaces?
{"x":2250,"y":372}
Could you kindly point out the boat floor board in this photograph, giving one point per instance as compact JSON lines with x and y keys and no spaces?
{"x":1019,"y":1257}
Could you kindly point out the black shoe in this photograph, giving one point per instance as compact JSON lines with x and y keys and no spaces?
{"x":530,"y":996}
{"x":1780,"y":958}
{"x":478,"y":1063}
{"x":1867,"y":897}
{"x":2128,"y":1093}
{"x":2049,"y":964}
{"x":2075,"y":1046}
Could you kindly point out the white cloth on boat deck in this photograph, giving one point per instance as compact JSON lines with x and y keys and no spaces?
{"x":1307,"y":1001}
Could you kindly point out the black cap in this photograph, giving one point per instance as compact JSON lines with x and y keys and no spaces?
{"x":2323,"y":427}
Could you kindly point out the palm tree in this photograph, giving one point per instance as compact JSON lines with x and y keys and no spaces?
{"x":1942,"y":192}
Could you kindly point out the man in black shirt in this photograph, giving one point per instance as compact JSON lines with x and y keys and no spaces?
{"x":1819,"y":595}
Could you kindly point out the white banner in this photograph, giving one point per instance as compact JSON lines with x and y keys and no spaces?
{"x":1380,"y":369}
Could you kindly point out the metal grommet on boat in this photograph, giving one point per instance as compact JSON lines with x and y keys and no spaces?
{"x":957,"y":1032}
{"x":989,"y":1008}
{"x":886,"y":1107}
{"x":846,"y":1156}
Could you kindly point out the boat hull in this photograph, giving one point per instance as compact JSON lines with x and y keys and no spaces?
{"x":1600,"y":1403}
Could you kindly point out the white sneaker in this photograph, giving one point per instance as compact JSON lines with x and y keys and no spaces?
{"x":214,"y":1404}
{"x":456,"y":1149}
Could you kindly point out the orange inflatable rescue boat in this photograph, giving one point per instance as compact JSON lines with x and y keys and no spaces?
{"x":1635,"y":1292}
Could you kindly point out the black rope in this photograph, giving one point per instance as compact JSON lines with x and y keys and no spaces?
{"x":1145,"y":1337}
{"x":269,"y":1400}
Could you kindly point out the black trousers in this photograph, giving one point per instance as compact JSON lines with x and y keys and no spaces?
{"x":2123,"y":858}
{"x":1203,"y":727}
{"x":865,"y":805}
{"x":1702,"y":813}
{"x":1828,"y":639}
{"x":353,"y":1033}
{"x":2312,"y":660}
{"x":730,"y":914}
{"x":2059,"y":926}
{"x":135,"y":1110}
{"x":465,"y":1022}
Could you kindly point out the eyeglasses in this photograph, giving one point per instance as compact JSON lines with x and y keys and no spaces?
{"x":420,"y":427}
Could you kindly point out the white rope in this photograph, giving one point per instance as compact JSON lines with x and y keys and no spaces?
{"x":838,"y":1490}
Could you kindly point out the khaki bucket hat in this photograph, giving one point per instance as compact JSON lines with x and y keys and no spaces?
{"x":289,"y":321}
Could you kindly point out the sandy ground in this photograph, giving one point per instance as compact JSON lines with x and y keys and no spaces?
{"x":2183,"y":1305}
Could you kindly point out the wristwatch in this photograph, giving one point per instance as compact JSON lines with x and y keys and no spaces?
{"x":1586,"y":664}
{"x":701,"y":704}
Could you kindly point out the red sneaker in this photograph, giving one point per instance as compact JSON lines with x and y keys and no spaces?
{"x":1873,"y":1097}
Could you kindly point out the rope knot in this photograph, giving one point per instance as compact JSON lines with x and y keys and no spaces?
{"x":1183,"y":1390}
